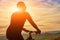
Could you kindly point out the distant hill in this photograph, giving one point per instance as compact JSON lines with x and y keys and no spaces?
{"x":52,"y":35}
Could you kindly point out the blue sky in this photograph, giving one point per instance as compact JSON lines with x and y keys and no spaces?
{"x":52,"y":1}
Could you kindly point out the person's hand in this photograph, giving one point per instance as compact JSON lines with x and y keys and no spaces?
{"x":30,"y":32}
{"x":38,"y":32}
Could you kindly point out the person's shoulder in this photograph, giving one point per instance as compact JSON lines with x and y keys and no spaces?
{"x":27,"y":13}
{"x":14,"y":13}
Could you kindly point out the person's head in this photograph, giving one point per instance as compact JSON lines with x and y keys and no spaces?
{"x":21,"y":5}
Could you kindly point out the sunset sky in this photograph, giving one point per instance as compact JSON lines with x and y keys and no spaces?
{"x":45,"y":13}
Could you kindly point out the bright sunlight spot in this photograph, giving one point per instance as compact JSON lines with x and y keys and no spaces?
{"x":14,"y":9}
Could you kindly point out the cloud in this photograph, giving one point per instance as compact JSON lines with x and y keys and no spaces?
{"x":51,"y":2}
{"x":57,"y":1}
{"x":37,"y":3}
{"x":46,"y":3}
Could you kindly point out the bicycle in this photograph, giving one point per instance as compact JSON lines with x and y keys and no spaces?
{"x":30,"y":36}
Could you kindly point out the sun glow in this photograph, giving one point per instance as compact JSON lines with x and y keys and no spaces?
{"x":14,"y":9}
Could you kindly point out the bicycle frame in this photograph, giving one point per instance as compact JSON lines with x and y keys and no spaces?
{"x":30,"y":37}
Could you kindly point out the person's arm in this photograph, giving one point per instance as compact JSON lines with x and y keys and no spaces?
{"x":29,"y":18}
{"x":26,"y":30}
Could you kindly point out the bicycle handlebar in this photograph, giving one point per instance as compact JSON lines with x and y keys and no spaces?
{"x":34,"y":32}
{"x":30,"y":37}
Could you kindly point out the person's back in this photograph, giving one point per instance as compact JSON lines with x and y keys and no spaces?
{"x":18,"y":18}
{"x":17,"y":22}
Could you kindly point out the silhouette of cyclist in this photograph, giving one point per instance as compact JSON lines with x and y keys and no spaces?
{"x":17,"y":23}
